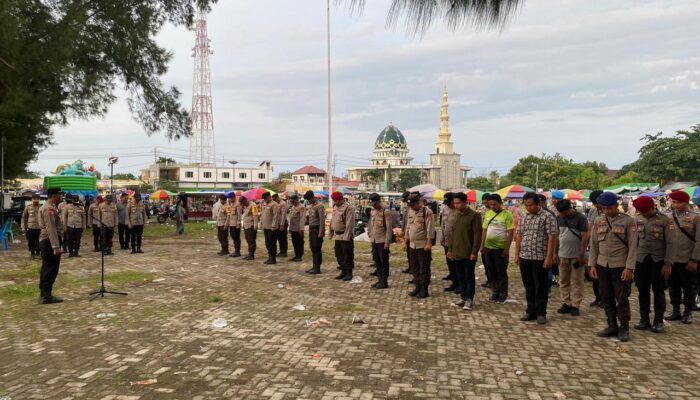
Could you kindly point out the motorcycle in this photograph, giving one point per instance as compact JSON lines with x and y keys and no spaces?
{"x":165,"y":214}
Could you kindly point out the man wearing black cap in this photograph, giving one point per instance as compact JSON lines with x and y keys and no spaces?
{"x":109,"y":215}
{"x":136,"y":217}
{"x":317,"y":230}
{"x":380,"y":234}
{"x":418,"y":238}
{"x":30,"y":224}
{"x":592,"y":216}
{"x":613,"y":260}
{"x":296,"y":227}
{"x":447,"y":216}
{"x":50,"y":243}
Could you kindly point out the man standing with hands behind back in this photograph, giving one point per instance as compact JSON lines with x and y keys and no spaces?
{"x":50,"y":243}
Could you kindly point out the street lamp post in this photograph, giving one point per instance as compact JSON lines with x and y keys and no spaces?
{"x":112,"y":160}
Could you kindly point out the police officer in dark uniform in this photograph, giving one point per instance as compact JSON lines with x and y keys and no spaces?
{"x":653,"y":265}
{"x":50,"y":243}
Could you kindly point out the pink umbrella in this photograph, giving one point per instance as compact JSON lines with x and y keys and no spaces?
{"x":256,"y":193}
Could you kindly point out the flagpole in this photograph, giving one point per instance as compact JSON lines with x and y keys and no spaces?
{"x":330,"y":136}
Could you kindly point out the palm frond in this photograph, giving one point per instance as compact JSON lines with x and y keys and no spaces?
{"x":419,"y":15}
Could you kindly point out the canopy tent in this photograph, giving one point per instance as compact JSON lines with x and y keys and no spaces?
{"x":629,"y":188}
{"x":513,"y":191}
{"x":693,"y":191}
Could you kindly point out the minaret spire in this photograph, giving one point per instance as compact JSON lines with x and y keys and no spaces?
{"x":444,"y":145}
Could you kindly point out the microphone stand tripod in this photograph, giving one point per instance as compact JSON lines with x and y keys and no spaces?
{"x":102,"y":291}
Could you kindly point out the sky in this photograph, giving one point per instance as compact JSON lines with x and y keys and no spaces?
{"x":587,"y":79}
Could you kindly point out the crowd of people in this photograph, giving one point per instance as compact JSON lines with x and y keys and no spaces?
{"x":608,"y":246}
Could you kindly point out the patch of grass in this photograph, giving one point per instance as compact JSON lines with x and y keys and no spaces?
{"x":124,"y":277}
{"x":216,"y":299}
{"x":154,"y":229}
{"x":22,"y":290}
{"x":26,"y":271}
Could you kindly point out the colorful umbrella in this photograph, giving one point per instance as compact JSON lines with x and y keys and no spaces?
{"x":573,"y":194}
{"x":438,"y":195}
{"x":343,"y":190}
{"x":161,"y":194}
{"x":256,"y":193}
{"x":514,"y":191}
{"x":692,"y":191}
{"x":474,"y":195}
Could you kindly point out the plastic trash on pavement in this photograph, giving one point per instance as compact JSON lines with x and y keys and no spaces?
{"x":219,"y":323}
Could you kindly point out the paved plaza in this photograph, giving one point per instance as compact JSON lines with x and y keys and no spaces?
{"x":407,"y":348}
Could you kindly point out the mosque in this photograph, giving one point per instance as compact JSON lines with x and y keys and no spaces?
{"x":391,"y":156}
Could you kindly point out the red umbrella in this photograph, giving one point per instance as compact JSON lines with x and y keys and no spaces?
{"x":474,"y":196}
{"x":256,"y":193}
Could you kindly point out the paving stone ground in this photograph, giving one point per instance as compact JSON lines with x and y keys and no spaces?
{"x":407,"y":349}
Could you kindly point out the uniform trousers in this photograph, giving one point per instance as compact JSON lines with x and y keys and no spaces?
{"x":136,"y":233}
{"x":615,"y":293}
{"x":271,"y":244}
{"x":345,"y":254}
{"x":282,"y":239}
{"x":73,"y":236}
{"x":451,"y":269}
{"x":420,"y":266}
{"x":682,"y":288}
{"x":33,"y":240}
{"x":96,"y":236}
{"x":315,"y":244}
{"x":647,"y":277}
{"x":382,"y":262}
{"x":235,"y":233}
{"x":298,"y":243}
{"x":107,"y":237}
{"x":251,"y":235}
{"x":49,"y":268}
{"x":536,"y":282}
{"x":222,"y":235}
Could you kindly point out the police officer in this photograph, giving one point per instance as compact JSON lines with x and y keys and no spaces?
{"x":109,"y":215}
{"x":234,"y":223}
{"x":59,"y":208}
{"x":136,"y":218}
{"x":123,"y":228}
{"x":317,"y":230}
{"x":447,"y":218}
{"x":50,"y":239}
{"x":653,"y":265}
{"x":418,"y":238}
{"x":593,"y":214}
{"x":94,"y":221}
{"x":342,"y":230}
{"x":296,"y":227}
{"x":30,"y":224}
{"x":223,"y":211}
{"x":613,"y":258}
{"x":283,"y":224}
{"x":380,"y":234}
{"x":404,"y":225}
{"x":684,"y":229}
{"x":270,"y":223}
{"x":74,"y":220}
{"x":249,"y":213}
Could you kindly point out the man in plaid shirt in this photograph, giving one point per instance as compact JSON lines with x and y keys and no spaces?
{"x":534,"y":251}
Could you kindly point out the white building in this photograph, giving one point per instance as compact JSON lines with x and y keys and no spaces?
{"x":391,"y":156}
{"x":196,"y":177}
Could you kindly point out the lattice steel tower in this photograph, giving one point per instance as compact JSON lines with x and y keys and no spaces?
{"x":202,"y":140}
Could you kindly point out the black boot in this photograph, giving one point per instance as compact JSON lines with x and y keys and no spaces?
{"x":314,"y":271}
{"x":423,"y":293}
{"x":341,"y":275}
{"x":415,"y":291}
{"x":687,"y":317}
{"x":611,"y":330}
{"x":133,"y":250}
{"x":451,"y":288}
{"x":643,"y":324}
{"x":139,"y":251}
{"x":348,"y":275}
{"x":623,"y":334}
{"x":658,"y":326}
{"x":675,"y":315}
{"x":236,"y":254}
{"x":373,"y":273}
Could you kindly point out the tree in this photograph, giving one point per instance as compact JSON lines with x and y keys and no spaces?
{"x":627,"y":177}
{"x":409,"y":178}
{"x":63,"y":59}
{"x":124,"y":177}
{"x":420,"y":14}
{"x":168,"y":185}
{"x":557,"y":172}
{"x":373,"y":176}
{"x":285,"y":175}
{"x":671,"y":158}
{"x":166,"y":160}
{"x":481,"y":183}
